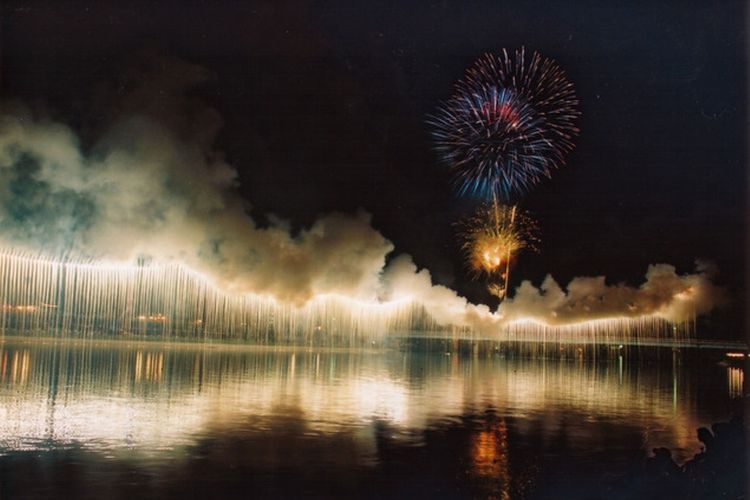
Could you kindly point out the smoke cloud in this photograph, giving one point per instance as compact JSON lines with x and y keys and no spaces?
{"x":664,"y":294}
{"x":152,"y":186}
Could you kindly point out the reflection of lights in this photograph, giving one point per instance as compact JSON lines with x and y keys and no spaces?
{"x":490,"y":456}
{"x":735,"y":379}
{"x":381,"y":399}
{"x":735,"y":355}
{"x":107,"y":395}
{"x":15,"y":369}
{"x":152,"y":317}
{"x":149,"y":367}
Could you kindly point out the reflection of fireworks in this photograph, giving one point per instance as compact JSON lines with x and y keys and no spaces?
{"x":509,"y":124}
{"x":492,"y":236}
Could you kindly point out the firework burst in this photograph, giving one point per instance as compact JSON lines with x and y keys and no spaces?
{"x":492,"y":237}
{"x":509,"y":124}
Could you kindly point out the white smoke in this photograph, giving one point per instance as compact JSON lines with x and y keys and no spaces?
{"x":152,"y":186}
{"x":144,"y":193}
{"x":664,"y":294}
{"x":402,"y":280}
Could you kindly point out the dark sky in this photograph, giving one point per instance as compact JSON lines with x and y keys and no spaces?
{"x":324,"y":106}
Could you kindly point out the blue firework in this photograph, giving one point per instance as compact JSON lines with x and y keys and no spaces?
{"x":509,"y":124}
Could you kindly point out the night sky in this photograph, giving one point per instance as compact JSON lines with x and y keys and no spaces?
{"x":324,"y":107}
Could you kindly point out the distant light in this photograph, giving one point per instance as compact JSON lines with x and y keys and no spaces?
{"x":735,"y":354}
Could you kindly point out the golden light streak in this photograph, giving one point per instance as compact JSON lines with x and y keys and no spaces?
{"x":490,"y":457}
{"x":735,"y":380}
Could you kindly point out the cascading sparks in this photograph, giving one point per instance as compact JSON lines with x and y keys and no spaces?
{"x":70,"y":297}
{"x":171,"y":300}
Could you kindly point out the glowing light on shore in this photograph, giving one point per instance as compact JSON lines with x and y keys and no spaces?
{"x":735,"y":354}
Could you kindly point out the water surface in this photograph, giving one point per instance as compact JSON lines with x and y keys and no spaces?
{"x":151,"y":420}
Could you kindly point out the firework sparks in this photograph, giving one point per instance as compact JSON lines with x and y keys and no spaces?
{"x":492,"y":237}
{"x":509,"y":124}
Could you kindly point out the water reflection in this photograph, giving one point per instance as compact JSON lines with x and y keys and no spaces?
{"x":490,"y":458}
{"x":354,"y":410}
{"x":735,"y":379}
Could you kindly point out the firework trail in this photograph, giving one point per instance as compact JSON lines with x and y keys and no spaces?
{"x":492,"y":237}
{"x":509,"y":124}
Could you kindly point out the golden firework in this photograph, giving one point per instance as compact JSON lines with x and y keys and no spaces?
{"x":490,"y":240}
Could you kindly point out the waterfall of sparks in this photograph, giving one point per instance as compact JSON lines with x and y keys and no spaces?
{"x":639,"y":330}
{"x":169,"y":300}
